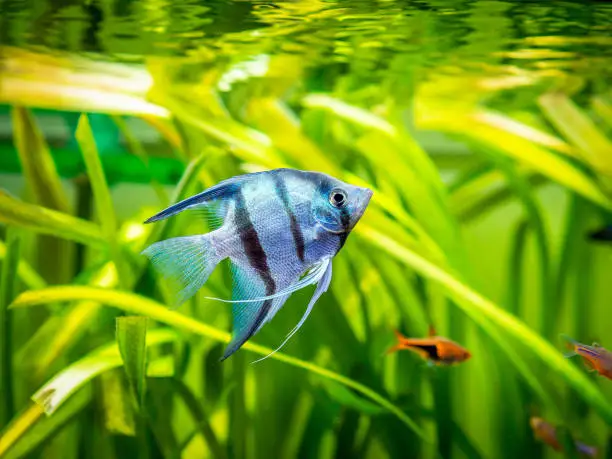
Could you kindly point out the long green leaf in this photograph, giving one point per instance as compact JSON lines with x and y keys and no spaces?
{"x":574,"y":124}
{"x":19,"y":426}
{"x":117,"y":404}
{"x":131,"y":337}
{"x":478,"y":127}
{"x":64,"y":329}
{"x":46,"y":221}
{"x":63,"y":81}
{"x":8,"y":291}
{"x":53,"y":394}
{"x":38,"y":167}
{"x":140,"y":305}
{"x":41,"y":430}
{"x":101,"y":194}
{"x":57,"y":390}
{"x":200,"y":417}
{"x":25,"y":272}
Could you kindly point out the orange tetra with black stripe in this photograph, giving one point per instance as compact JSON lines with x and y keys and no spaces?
{"x":435,"y":349}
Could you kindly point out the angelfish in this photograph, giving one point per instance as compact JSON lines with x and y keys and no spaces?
{"x":280,"y":230}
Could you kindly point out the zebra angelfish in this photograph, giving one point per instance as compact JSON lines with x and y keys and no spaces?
{"x":280,"y":229}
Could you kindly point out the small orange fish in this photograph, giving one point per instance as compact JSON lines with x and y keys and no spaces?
{"x":548,"y":434}
{"x":595,"y":357}
{"x":436,"y":349}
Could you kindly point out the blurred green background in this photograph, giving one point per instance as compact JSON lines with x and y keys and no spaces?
{"x":485,"y":130}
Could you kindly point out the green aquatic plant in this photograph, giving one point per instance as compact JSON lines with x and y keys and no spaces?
{"x":414,"y":261}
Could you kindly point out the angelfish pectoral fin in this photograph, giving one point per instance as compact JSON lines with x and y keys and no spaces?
{"x":323,"y":284}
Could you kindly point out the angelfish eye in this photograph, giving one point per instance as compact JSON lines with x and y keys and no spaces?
{"x":337,"y":197}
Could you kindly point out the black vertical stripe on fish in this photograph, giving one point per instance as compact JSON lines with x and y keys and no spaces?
{"x":345,"y":220}
{"x":258,"y":261}
{"x":296,"y":230}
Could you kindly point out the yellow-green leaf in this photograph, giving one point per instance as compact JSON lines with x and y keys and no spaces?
{"x":46,"y":221}
{"x":131,"y":337}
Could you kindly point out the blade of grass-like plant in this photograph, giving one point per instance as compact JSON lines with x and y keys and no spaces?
{"x":402,"y":216}
{"x":475,"y":125}
{"x":274,"y":118}
{"x":166,"y":129}
{"x":515,"y":270}
{"x":534,"y":215}
{"x":56,"y":391}
{"x":25,"y":272}
{"x":567,"y":442}
{"x":356,"y":115}
{"x":131,"y":338}
{"x":576,"y":125}
{"x":43,"y":181}
{"x":427,"y":207}
{"x":479,"y":308}
{"x":8,"y":291}
{"x":348,"y":399}
{"x":38,"y":167}
{"x":476,"y":198}
{"x":19,"y":427}
{"x":62,"y":331}
{"x":238,"y":422}
{"x":251,"y":145}
{"x":575,"y":274}
{"x":52,"y":395}
{"x":137,"y":304}
{"x":603,"y":108}
{"x":67,"y":82}
{"x":117,"y":406}
{"x":470,"y":174}
{"x":530,"y":133}
{"x":138,"y":150}
{"x":200,"y":417}
{"x":101,"y":194}
{"x":45,"y":428}
{"x":46,"y":221}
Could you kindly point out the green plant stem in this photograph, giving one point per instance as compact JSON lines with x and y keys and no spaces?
{"x":200,"y":417}
{"x":8,"y":284}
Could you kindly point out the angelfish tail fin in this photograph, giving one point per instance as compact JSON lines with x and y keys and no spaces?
{"x":187,"y":261}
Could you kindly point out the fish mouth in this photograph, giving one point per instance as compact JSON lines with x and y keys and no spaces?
{"x":362,"y":205}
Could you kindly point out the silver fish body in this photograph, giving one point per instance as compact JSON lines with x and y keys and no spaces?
{"x":280,"y":230}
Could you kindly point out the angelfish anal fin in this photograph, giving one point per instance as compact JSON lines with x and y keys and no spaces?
{"x":246,"y":315}
{"x":322,"y":286}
